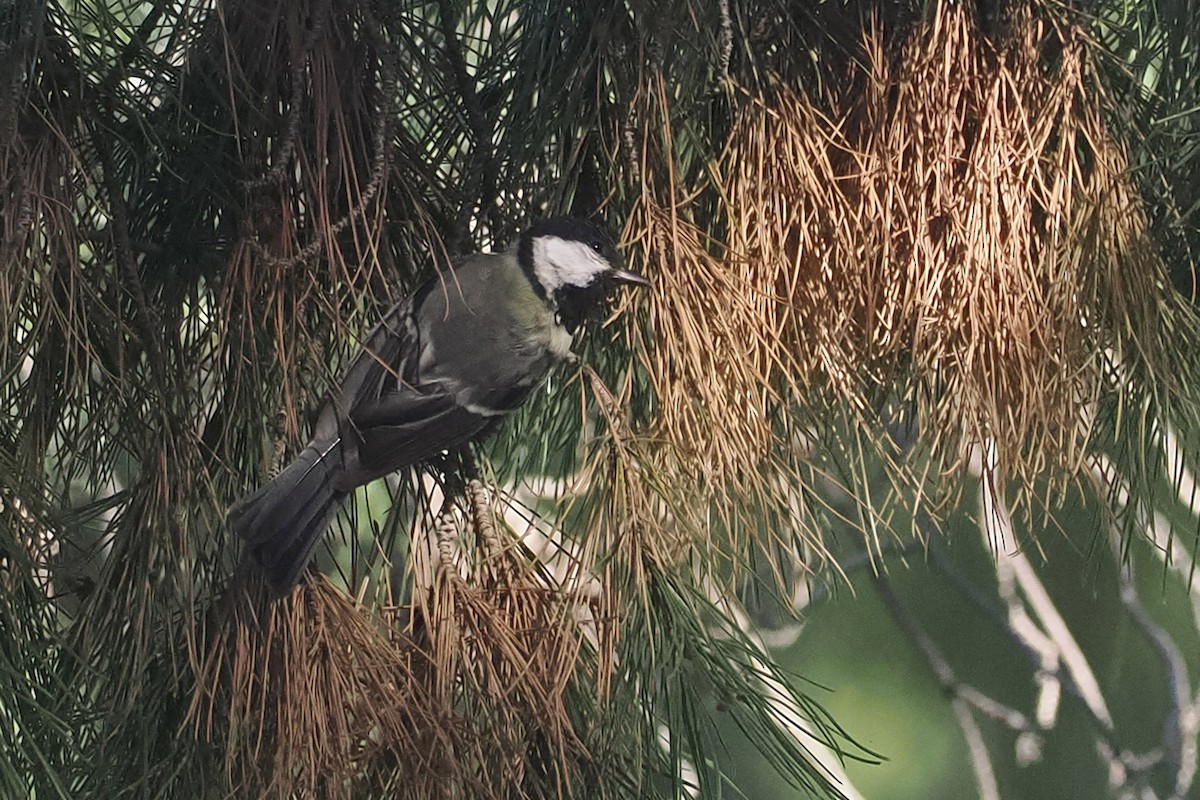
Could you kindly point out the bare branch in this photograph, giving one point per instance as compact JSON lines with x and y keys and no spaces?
{"x":981,"y":761}
{"x":963,"y":697}
{"x":1182,"y":726}
{"x":1021,"y":589}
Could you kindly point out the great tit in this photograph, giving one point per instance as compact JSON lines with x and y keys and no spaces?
{"x":444,"y":366}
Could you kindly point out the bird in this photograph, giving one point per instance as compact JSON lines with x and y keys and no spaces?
{"x":441,"y":369}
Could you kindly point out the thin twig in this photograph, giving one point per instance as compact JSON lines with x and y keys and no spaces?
{"x":963,"y":698}
{"x":725,"y":40}
{"x":1022,"y":590}
{"x":483,"y":157}
{"x":981,"y":761}
{"x":1182,"y":726}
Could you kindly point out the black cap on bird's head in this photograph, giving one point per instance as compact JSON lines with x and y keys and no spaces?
{"x":574,"y":264}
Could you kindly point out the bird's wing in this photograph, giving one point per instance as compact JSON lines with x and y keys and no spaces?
{"x":407,"y":426}
{"x":387,"y":414}
{"x":443,"y":367}
{"x":387,"y":359}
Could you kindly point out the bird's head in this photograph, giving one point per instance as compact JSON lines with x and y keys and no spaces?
{"x":574,"y":265}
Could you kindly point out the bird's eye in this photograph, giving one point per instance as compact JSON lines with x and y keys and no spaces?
{"x":597,"y":246}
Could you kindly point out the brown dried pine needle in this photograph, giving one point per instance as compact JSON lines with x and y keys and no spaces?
{"x":959,"y":228}
{"x":468,"y":684}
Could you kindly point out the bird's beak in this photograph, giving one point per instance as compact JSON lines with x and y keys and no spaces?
{"x":627,"y":277}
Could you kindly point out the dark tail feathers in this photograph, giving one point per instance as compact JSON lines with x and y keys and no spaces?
{"x":283,"y":521}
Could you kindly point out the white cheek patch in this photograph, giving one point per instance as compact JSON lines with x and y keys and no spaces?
{"x":565,"y":262}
